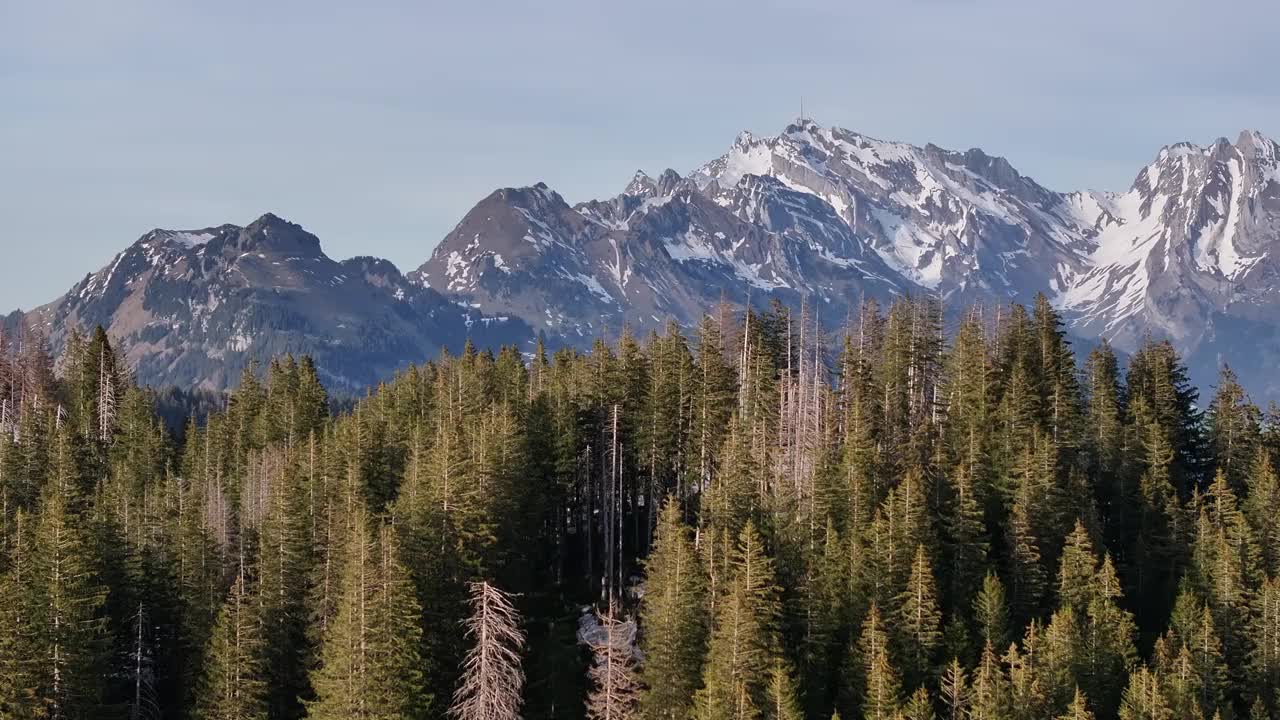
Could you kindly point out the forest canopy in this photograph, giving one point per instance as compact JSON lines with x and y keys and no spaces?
{"x":746,"y":520}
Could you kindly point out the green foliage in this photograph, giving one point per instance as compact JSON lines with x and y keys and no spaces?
{"x":234,"y":685}
{"x":745,"y":644}
{"x":897,"y":527}
{"x":370,"y":666}
{"x":674,"y":615}
{"x":882,"y":686}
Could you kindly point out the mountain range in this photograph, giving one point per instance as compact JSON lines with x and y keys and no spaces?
{"x":1189,"y":252}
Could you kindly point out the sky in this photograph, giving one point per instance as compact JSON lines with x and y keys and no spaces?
{"x":377,"y":125}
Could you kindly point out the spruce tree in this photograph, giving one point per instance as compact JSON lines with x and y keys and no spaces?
{"x":1109,"y":653}
{"x":1233,"y":429}
{"x":1265,"y":662}
{"x":989,"y":694}
{"x":918,"y":707}
{"x":63,"y":600}
{"x":1079,"y":708}
{"x":18,"y":687}
{"x":1076,"y":569}
{"x":674,"y":617}
{"x":1026,"y":572}
{"x":745,"y":643}
{"x":233,"y":687}
{"x":1259,"y":508}
{"x":882,"y":688}
{"x":991,"y":611}
{"x":966,"y":546}
{"x":919,"y":619}
{"x":1143,"y":699}
{"x":783,"y":703}
{"x":370,"y":664}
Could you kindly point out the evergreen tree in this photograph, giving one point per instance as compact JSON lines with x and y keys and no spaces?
{"x":233,"y":687}
{"x":370,"y":666}
{"x":1259,"y":509}
{"x":63,"y":601}
{"x":744,"y":643}
{"x":1079,"y":709}
{"x":1266,"y":635}
{"x":991,"y":611}
{"x":17,"y":662}
{"x":919,"y":620}
{"x":1108,"y":651}
{"x":1076,"y":569}
{"x":883,"y":689}
{"x":783,"y":702}
{"x":1143,"y":699}
{"x":1106,"y":439}
{"x":919,"y":706}
{"x":966,"y":546}
{"x":1233,"y":429}
{"x":990,"y":694}
{"x":673,"y":615}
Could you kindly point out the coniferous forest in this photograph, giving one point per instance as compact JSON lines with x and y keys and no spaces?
{"x":752,"y":519}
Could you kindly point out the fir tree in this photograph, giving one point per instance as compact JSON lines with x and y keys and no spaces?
{"x":1076,"y":569}
{"x":1078,"y":710}
{"x":990,"y":693}
{"x":882,"y":686}
{"x":370,"y":667}
{"x":918,"y":626}
{"x":745,"y":643}
{"x":783,"y":703}
{"x":1143,"y":699}
{"x":1233,"y":429}
{"x":919,"y":706}
{"x":1259,"y":509}
{"x":63,"y":600}
{"x":233,"y":686}
{"x":674,"y":617}
{"x":991,"y":611}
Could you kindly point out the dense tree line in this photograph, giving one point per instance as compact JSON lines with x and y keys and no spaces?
{"x":754,"y":520}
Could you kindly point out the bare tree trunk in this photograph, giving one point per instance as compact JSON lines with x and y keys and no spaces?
{"x":492,"y":679}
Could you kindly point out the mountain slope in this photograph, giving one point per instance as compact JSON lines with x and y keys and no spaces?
{"x":192,"y":308}
{"x":814,"y":215}
{"x":830,"y":215}
{"x":817,"y":213}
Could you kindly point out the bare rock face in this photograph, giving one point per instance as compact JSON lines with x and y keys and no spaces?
{"x":193,"y":308}
{"x":816,"y":215}
{"x":830,"y":216}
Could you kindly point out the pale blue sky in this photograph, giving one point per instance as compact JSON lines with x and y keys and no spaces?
{"x":377,"y":125}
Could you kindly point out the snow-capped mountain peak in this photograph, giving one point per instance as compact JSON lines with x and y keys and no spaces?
{"x":814,"y":214}
{"x":830,"y":214}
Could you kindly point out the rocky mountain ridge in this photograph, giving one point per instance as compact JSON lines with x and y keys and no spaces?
{"x":814,"y":214}
{"x":1187,"y":252}
{"x":193,"y":308}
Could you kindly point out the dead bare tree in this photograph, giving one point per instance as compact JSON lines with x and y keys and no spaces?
{"x":492,"y":679}
{"x":613,"y":674}
{"x":106,"y":396}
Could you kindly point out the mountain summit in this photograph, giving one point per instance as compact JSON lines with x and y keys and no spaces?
{"x":813,"y":214}
{"x":194,"y":307}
